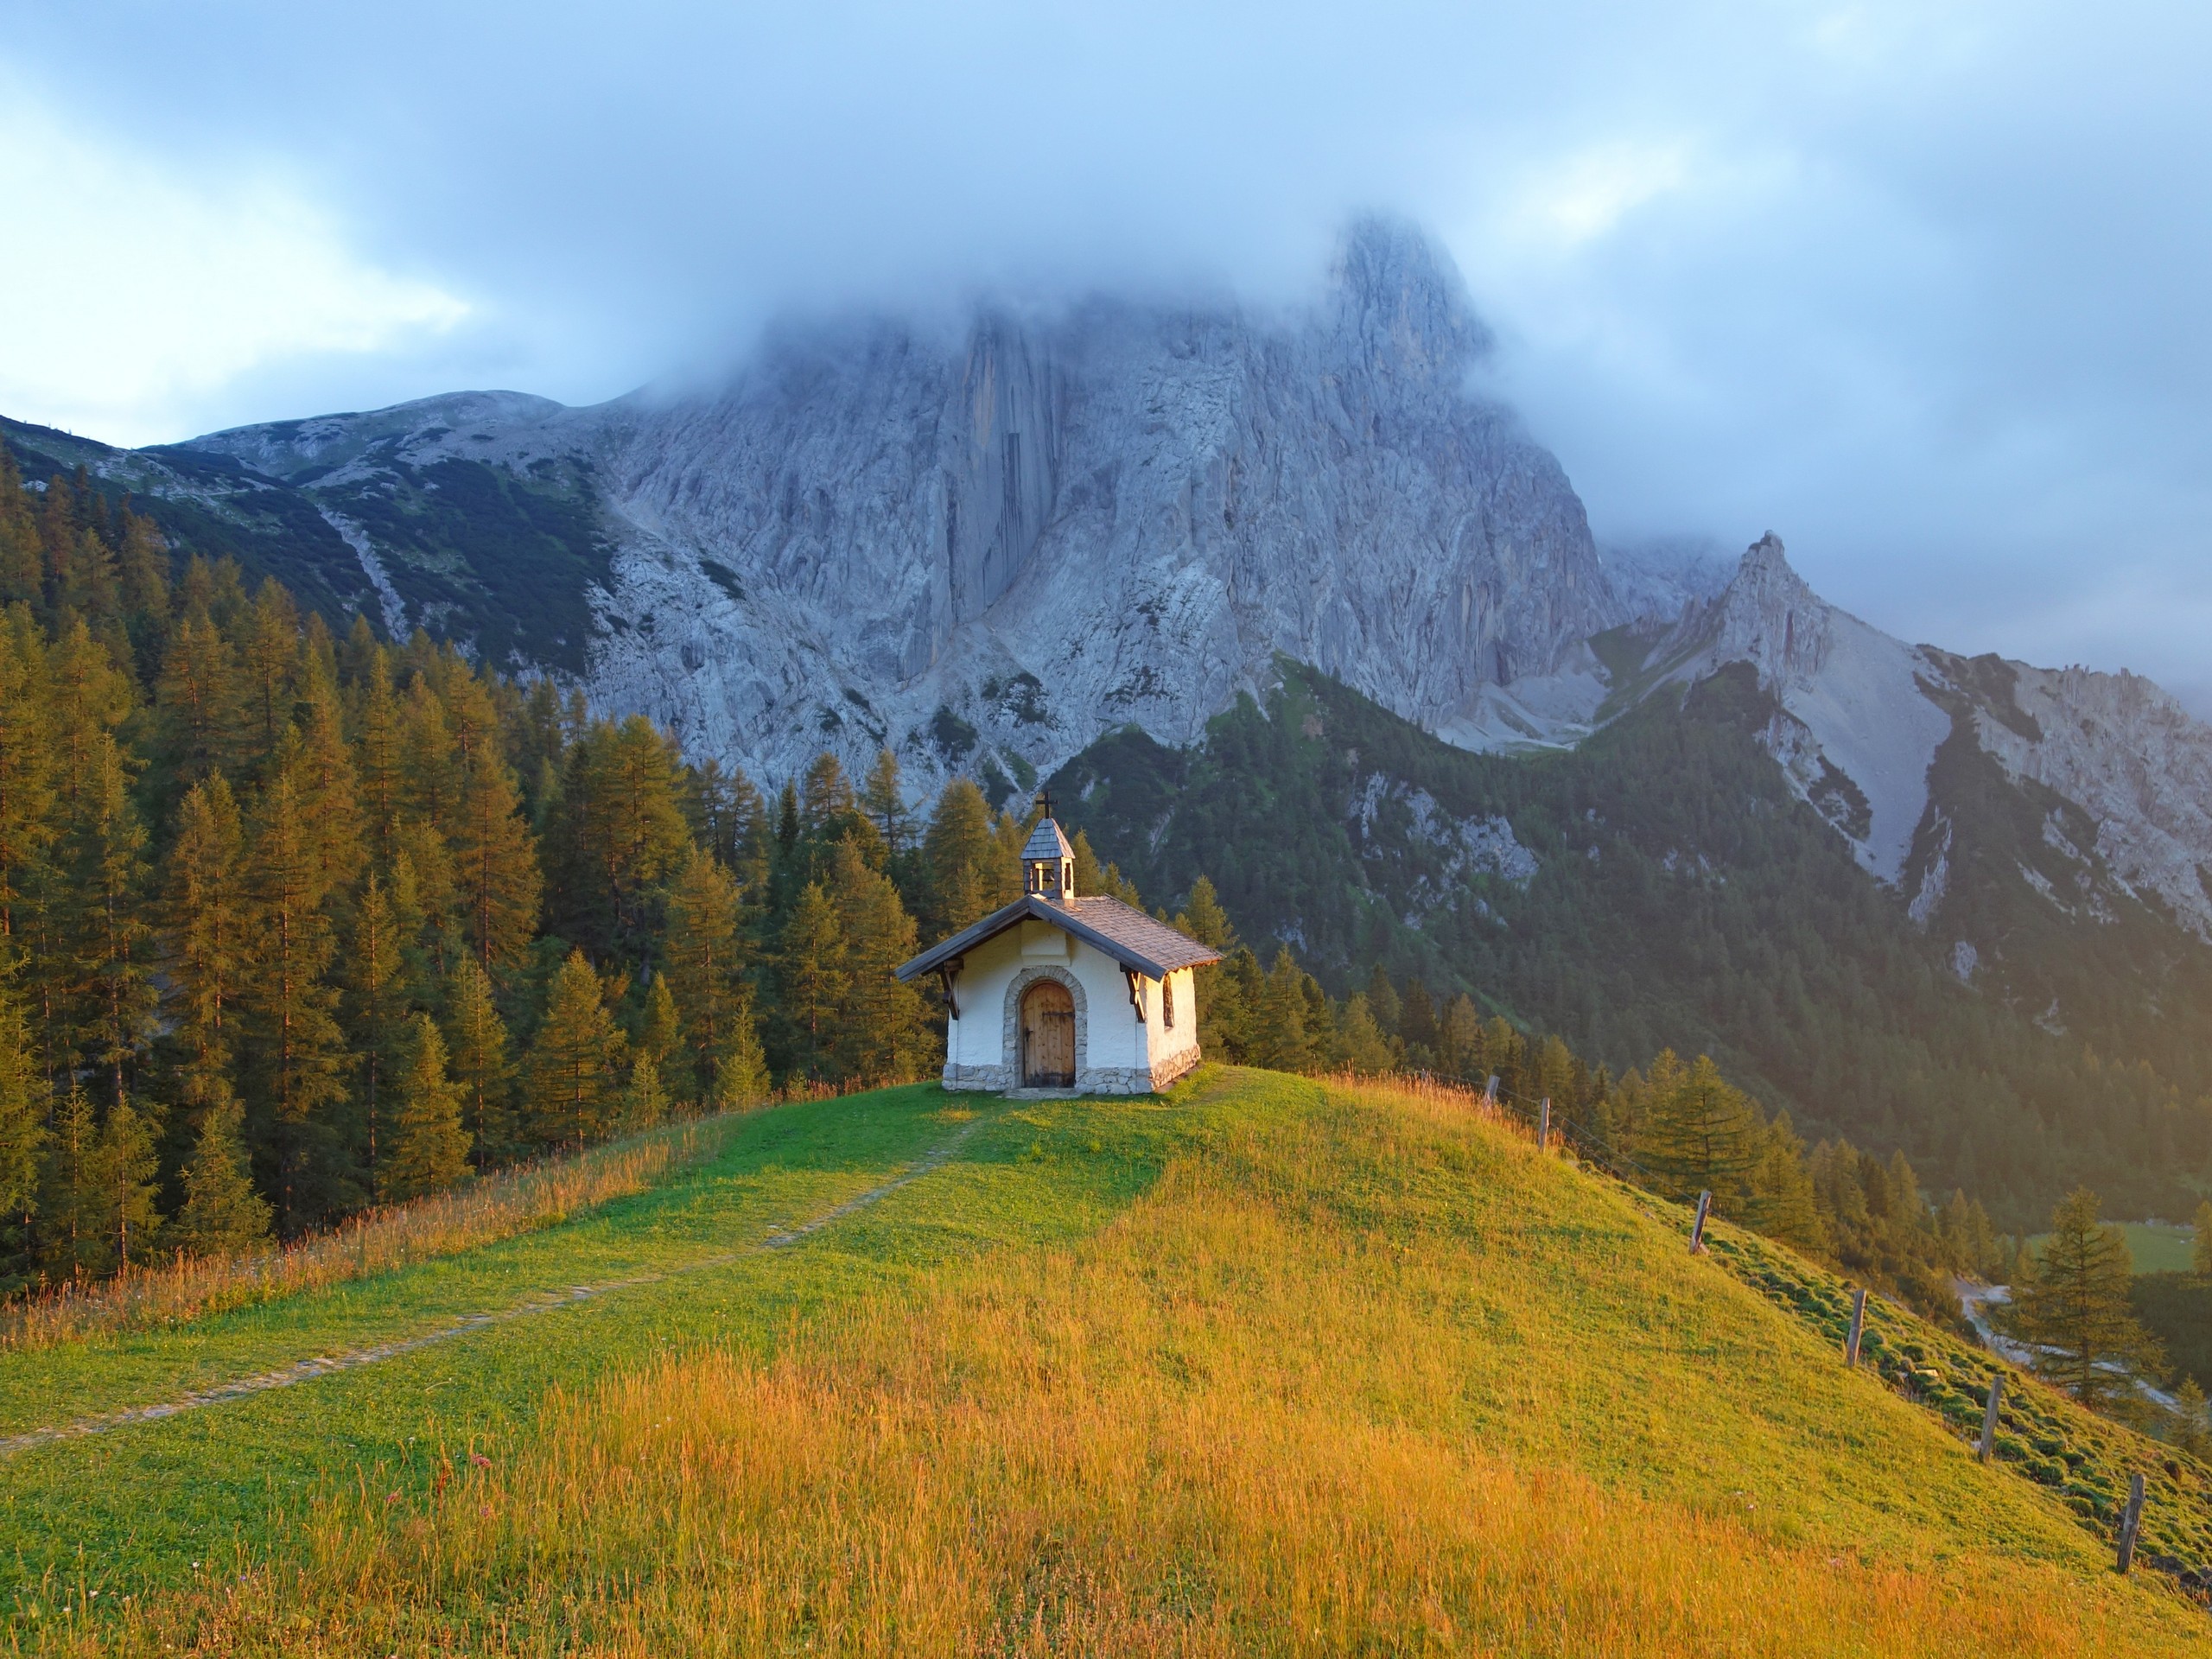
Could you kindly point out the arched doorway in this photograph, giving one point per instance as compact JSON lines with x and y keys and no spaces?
{"x":1047,"y":1036}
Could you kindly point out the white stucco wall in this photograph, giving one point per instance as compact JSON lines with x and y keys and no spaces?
{"x":1115,"y":1052}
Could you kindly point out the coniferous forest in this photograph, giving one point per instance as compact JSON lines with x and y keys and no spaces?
{"x":295,"y":923}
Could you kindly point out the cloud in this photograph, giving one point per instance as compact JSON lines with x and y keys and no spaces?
{"x":138,"y":292}
{"x":1914,"y":284}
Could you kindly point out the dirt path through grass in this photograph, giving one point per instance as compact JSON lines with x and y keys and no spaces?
{"x":307,"y":1370}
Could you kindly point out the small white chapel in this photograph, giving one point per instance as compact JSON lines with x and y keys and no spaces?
{"x":1057,"y":991}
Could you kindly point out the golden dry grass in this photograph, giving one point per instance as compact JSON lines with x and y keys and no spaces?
{"x":1318,"y":1393}
{"x":498,"y":1206}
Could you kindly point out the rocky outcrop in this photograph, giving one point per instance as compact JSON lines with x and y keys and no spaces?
{"x":984,"y":551}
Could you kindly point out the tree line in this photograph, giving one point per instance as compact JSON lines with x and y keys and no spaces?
{"x":291,"y":923}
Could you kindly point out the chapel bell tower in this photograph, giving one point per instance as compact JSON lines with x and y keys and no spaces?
{"x":1048,"y":863}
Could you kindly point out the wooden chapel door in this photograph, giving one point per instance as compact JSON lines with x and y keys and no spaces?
{"x":1047,"y":1036}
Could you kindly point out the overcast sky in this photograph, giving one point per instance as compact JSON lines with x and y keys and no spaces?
{"x":1920,"y":287}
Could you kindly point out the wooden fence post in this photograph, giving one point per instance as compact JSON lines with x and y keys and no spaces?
{"x":1544,"y":1123}
{"x":1989,"y":1417}
{"x":1697,"y":1227}
{"x":2131,"y":1521}
{"x":1857,"y":1327}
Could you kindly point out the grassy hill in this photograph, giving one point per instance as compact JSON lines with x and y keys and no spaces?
{"x":1272,"y":1365}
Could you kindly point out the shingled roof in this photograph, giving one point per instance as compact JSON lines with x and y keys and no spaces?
{"x":1134,"y":939}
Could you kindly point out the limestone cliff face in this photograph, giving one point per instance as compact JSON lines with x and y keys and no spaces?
{"x":991,"y":548}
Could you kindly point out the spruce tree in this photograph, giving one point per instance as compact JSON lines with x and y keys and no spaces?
{"x":477,"y":1050}
{"x":572,"y":1062}
{"x":812,"y":981}
{"x":222,"y":1214}
{"x":2074,"y":1308}
{"x":429,"y":1149}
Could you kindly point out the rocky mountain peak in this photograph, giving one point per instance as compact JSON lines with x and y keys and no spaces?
{"x":1770,"y":618}
{"x":1402,"y":308}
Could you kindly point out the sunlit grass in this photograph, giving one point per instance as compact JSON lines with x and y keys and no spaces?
{"x":1360,"y":1373}
{"x":496,"y":1206}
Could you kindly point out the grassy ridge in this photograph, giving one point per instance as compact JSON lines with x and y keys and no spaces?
{"x":1281,"y":1365}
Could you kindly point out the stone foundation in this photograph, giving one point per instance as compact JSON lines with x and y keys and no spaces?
{"x":1090,"y":1080}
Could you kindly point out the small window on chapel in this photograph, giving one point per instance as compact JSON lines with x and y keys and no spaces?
{"x":1167,"y":1002}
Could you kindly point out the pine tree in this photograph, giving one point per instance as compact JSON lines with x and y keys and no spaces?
{"x":883,"y":1035}
{"x":72,"y":1244}
{"x":429,"y":1151}
{"x":222,"y":1214}
{"x":2074,"y":1307}
{"x":812,"y":978}
{"x":129,"y":1168}
{"x":477,"y":1050}
{"x":573,"y":1061}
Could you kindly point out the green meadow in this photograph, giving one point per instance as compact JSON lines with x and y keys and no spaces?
{"x":1273,"y":1364}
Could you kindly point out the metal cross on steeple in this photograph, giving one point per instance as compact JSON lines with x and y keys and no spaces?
{"x":1045,"y":802}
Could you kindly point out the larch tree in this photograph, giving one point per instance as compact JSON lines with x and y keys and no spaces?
{"x":495,"y":862}
{"x":812,"y":979}
{"x":206,"y":925}
{"x":374,"y":1007}
{"x":129,"y":1181}
{"x":2073,"y":1306}
{"x":222,"y":1213}
{"x":957,"y":850}
{"x":2199,"y":1251}
{"x":23,"y":1103}
{"x":196,"y":700}
{"x":430,"y":1150}
{"x":294,"y":1048}
{"x":72,"y":1242}
{"x":28,"y":799}
{"x":702,"y":958}
{"x":111,"y":936}
{"x":1700,"y":1132}
{"x":571,"y":1075}
{"x":883,"y":798}
{"x":884,"y":1034}
{"x":477,"y":1051}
